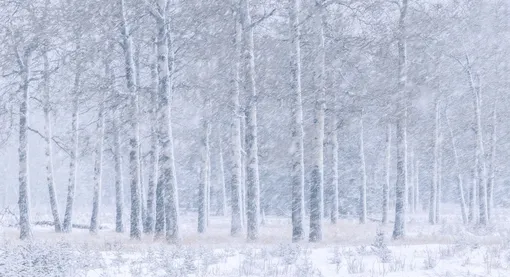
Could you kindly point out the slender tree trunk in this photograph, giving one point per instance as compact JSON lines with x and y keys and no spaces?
{"x":236,"y":169}
{"x":98,"y":164}
{"x":334,"y":141}
{"x":317,"y":178}
{"x":492,"y":165}
{"x":411,"y":181}
{"x":434,"y":185}
{"x":473,"y":197}
{"x":439,"y":177}
{"x":400,"y":191}
{"x":479,"y":159}
{"x":167,"y":178}
{"x":297,"y":151}
{"x":204,"y":172}
{"x":119,"y":187}
{"x":153,"y":153}
{"x":134,"y":166}
{"x":223,"y":186}
{"x":363,"y":186}
{"x":386,"y":185}
{"x":252,"y":170}
{"x":48,"y":136}
{"x":73,"y":159}
{"x":459,"y":176}
{"x":24,"y":186}
{"x":416,"y":184}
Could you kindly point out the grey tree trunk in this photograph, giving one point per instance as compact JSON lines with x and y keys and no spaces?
{"x":335,"y":163}
{"x":223,"y":186}
{"x":98,"y":164}
{"x":439,"y":177}
{"x":400,"y":190}
{"x":386,"y":184}
{"x":317,"y":178}
{"x":416,"y":184}
{"x":167,"y":178}
{"x":119,"y":187}
{"x":73,"y":159}
{"x":153,"y":153}
{"x":24,"y":186}
{"x":363,"y":185}
{"x":460,"y":186}
{"x":236,"y":169}
{"x":479,"y":159}
{"x":48,"y":138}
{"x":492,"y":170}
{"x":472,"y":217}
{"x":434,"y":185}
{"x":252,"y":168}
{"x":204,"y":173}
{"x":297,"y":151}
{"x":134,"y":166}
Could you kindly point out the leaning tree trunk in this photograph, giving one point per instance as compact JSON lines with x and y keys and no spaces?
{"x":236,"y":169}
{"x":317,"y":178}
{"x":73,"y":159}
{"x":134,"y":170}
{"x":166,"y":177}
{"x":24,"y":190}
{"x":386,"y":184}
{"x":434,"y":185}
{"x":363,"y":186}
{"x":153,"y":163}
{"x":252,"y":168}
{"x":400,"y":190}
{"x":297,"y":173}
{"x":459,"y":176}
{"x":48,"y":150}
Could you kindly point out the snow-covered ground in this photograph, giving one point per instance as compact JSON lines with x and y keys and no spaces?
{"x":348,"y":249}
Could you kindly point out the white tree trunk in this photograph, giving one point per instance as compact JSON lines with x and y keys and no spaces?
{"x":167,"y":177}
{"x":460,"y":186}
{"x":400,"y":191}
{"x":335,"y":163}
{"x":153,"y":153}
{"x":492,"y":165}
{"x":297,"y":151}
{"x":252,"y":168}
{"x":416,"y":184}
{"x":134,"y":166}
{"x":363,"y":185}
{"x":73,"y":159}
{"x":203,"y":190}
{"x":48,"y":138}
{"x":317,"y":178}
{"x":236,"y":169}
{"x":98,"y":164}
{"x":119,"y":187}
{"x":221,"y":181}
{"x":386,"y":184}
{"x":434,"y":185}
{"x":24,"y":186}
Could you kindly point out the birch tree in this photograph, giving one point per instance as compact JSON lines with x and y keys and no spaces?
{"x":400,"y":192}
{"x":297,"y":151}
{"x":252,"y":170}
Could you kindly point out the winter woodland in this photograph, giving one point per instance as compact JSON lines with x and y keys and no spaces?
{"x":254,"y":138}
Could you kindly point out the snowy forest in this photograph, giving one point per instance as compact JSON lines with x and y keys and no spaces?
{"x":254,"y":138}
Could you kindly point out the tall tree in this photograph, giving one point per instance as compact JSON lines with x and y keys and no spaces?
{"x":400,"y":191}
{"x":297,"y":151}
{"x":317,"y":178}
{"x":252,"y":167}
{"x":386,"y":184}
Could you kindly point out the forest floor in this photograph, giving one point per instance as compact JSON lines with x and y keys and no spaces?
{"x":348,"y":249}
